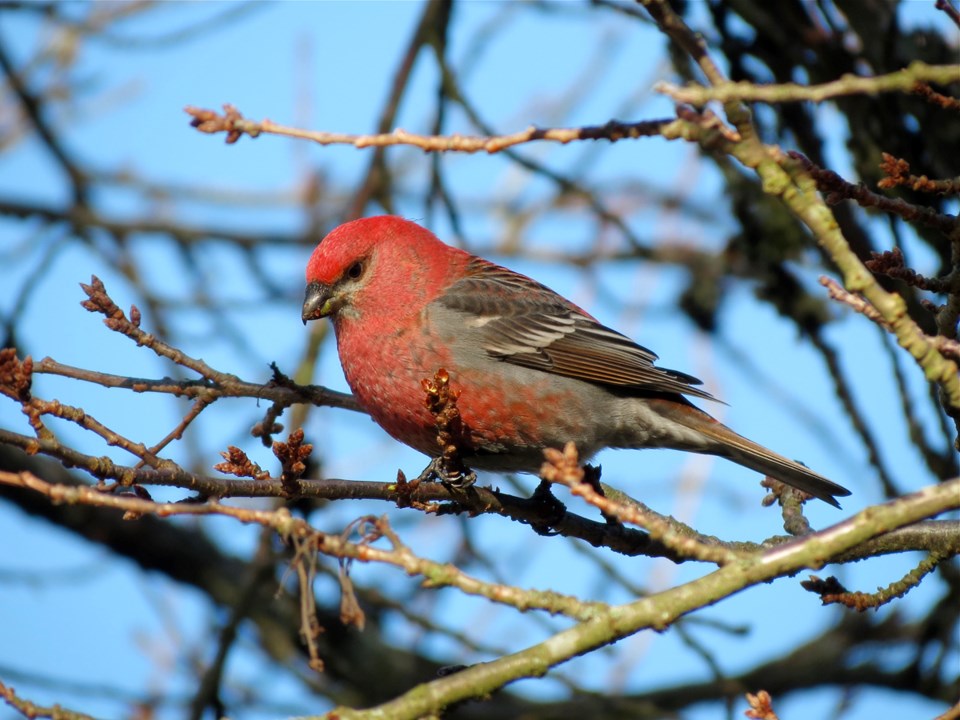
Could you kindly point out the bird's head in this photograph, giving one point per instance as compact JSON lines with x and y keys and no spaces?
{"x":376,"y":266}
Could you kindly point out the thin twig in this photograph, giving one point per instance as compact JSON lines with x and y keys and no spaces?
{"x":234,"y":124}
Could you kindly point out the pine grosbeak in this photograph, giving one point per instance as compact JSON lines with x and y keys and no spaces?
{"x":533,"y":369}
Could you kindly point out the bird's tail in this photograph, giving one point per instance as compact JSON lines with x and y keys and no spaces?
{"x":726,"y":443}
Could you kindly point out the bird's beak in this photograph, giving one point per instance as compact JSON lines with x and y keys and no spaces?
{"x":319,"y":302}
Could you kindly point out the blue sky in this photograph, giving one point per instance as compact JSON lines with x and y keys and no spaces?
{"x":328,"y":65}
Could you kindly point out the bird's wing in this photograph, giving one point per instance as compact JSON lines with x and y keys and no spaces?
{"x":520,"y":321}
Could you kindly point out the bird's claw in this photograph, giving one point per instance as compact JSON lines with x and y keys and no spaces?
{"x":459,"y":479}
{"x":438,"y":471}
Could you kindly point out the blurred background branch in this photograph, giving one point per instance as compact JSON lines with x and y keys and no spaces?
{"x":680,"y":244}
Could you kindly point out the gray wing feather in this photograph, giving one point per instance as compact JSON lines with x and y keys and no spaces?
{"x":525,"y":323}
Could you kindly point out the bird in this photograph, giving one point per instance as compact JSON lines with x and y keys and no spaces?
{"x":532,"y":370}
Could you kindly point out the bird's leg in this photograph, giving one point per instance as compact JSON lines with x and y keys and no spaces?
{"x":431,"y":472}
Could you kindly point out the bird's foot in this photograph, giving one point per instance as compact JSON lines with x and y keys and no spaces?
{"x":439,"y":470}
{"x":460,"y":479}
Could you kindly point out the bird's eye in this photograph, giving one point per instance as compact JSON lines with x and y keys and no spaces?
{"x":355,"y":270}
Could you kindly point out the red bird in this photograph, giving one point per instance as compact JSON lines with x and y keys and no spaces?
{"x":533,"y":369}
